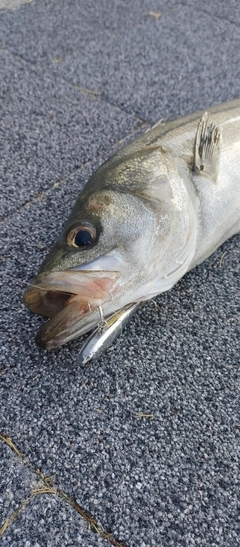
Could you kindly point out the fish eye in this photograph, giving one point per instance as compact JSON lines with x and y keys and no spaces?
{"x":82,"y":236}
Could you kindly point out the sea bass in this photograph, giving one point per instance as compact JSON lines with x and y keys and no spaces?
{"x":152,"y":212}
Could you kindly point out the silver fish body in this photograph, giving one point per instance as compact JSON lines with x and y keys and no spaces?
{"x":156,"y":209}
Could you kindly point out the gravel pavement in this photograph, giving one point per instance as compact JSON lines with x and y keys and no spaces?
{"x":141,"y":448}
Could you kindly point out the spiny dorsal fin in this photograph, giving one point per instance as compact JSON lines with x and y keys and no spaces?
{"x":207,"y":148}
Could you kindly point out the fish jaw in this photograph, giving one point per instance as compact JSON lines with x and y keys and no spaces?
{"x":71,"y":299}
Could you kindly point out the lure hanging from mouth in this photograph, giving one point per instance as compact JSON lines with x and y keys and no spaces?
{"x":152,"y":212}
{"x":105,"y":334}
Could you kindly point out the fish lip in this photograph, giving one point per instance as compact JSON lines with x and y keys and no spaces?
{"x":70,"y":298}
{"x":62,"y":327}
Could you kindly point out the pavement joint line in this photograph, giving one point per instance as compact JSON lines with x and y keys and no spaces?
{"x":38,"y":196}
{"x":82,"y":89}
{"x":98,"y":94}
{"x":56,"y":184}
{"x":48,"y":73}
{"x":78,"y":87}
{"x":108,"y":101}
{"x":10,"y":443}
{"x":45,"y":487}
{"x":10,"y":520}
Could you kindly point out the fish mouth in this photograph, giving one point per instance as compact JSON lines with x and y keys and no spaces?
{"x":71,"y":299}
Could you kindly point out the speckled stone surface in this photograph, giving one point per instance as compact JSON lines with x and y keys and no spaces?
{"x":77,"y":80}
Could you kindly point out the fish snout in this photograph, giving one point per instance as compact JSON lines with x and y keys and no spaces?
{"x":71,"y":299}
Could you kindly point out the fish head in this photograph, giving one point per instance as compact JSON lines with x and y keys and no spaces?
{"x":115,"y":248}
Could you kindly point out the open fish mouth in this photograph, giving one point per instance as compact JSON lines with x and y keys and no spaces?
{"x":71,"y":299}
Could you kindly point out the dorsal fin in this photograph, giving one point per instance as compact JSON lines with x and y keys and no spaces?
{"x":207,"y":148}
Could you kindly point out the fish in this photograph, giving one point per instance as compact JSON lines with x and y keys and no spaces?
{"x":152,"y":212}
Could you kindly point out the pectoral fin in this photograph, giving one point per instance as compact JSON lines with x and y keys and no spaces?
{"x":207,"y":148}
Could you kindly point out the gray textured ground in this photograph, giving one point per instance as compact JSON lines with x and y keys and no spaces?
{"x":77,"y":78}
